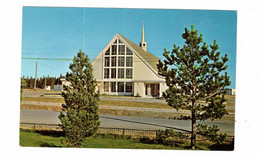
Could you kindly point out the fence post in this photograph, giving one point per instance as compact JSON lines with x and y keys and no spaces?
{"x":34,"y":127}
{"x":156,"y":134}
{"x":124,"y":131}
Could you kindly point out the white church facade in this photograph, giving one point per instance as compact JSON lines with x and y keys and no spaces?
{"x":124,"y":68}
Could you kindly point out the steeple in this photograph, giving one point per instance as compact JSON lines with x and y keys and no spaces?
{"x":143,"y":43}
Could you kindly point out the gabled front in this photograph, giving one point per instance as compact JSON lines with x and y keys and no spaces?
{"x":122,"y":69}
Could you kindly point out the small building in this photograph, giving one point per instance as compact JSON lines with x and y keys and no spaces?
{"x":231,"y":91}
{"x":58,"y":87}
{"x":124,"y":68}
{"x":47,"y":88}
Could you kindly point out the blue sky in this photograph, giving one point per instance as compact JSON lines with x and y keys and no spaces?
{"x":58,"y":33}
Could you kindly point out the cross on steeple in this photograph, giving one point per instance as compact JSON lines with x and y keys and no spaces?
{"x":143,"y":43}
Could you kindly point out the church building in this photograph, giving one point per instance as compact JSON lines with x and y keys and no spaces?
{"x":124,"y":68}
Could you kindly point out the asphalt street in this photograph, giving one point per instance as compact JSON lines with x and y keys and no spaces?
{"x":51,"y":117}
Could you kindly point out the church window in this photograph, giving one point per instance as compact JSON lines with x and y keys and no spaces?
{"x":128,"y":51}
{"x":121,"y":61}
{"x":106,"y":86}
{"x":108,"y":51}
{"x":129,"y":73}
{"x":120,"y":86}
{"x":107,"y":61}
{"x":121,"y":72}
{"x":113,"y":72}
{"x":106,"y":73}
{"x":129,"y":61}
{"x":114,"y":49}
{"x":113,"y":61}
{"x":121,"y":49}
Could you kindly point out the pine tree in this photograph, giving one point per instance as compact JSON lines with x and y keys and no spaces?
{"x":81,"y":102}
{"x":195,"y":73}
{"x":52,"y":82}
{"x":31,"y":82}
{"x":48,"y":81}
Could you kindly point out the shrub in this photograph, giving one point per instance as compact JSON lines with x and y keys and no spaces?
{"x":212,"y":133}
{"x":170,"y":138}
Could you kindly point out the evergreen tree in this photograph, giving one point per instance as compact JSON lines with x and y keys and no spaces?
{"x":31,"y":83}
{"x":81,"y":118}
{"x":195,"y":73}
{"x":27,"y":82}
{"x":44,"y":82}
{"x":48,"y":81}
{"x":52,"y":82}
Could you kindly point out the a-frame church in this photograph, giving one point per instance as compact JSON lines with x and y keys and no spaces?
{"x":124,"y":68}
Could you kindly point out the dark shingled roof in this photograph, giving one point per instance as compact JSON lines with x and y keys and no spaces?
{"x":147,"y":56}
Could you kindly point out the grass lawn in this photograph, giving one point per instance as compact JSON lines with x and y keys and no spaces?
{"x":32,"y":139}
{"x":103,"y":102}
{"x":29,"y":138}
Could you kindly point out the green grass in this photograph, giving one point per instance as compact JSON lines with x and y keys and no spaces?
{"x":41,"y":139}
{"x":31,"y":139}
{"x":103,"y":102}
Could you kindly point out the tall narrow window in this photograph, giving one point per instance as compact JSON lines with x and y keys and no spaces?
{"x":113,"y":86}
{"x":129,"y":73}
{"x":106,"y":73}
{"x":129,"y":61}
{"x":121,"y":73}
{"x":120,"y":86}
{"x":128,"y":51}
{"x":106,"y":86}
{"x":146,"y":89}
{"x":121,"y":61}
{"x":113,"y":61}
{"x":107,"y":59}
{"x":114,"y":49}
{"x":129,"y":87}
{"x":113,"y":72}
{"x":121,"y":49}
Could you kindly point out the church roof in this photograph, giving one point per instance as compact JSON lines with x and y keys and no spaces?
{"x":151,"y":59}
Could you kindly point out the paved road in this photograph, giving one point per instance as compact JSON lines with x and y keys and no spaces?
{"x":51,"y":117}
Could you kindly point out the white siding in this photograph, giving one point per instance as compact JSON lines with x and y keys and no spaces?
{"x":141,"y":71}
{"x":139,"y":89}
{"x":97,"y":65}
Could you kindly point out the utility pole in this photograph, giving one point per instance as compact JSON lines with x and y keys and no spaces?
{"x":35,"y":76}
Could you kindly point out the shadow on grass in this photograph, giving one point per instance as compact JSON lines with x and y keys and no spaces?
{"x":225,"y":147}
{"x":50,"y":133}
{"x":220,"y":147}
{"x":45,"y":144}
{"x":177,"y":145}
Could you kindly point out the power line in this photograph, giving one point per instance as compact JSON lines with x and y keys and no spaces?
{"x":57,"y":59}
{"x":99,"y":60}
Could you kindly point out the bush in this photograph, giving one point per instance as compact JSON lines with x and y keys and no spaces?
{"x":170,"y":138}
{"x":211,"y":133}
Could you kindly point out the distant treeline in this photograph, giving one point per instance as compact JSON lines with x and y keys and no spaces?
{"x":42,"y":81}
